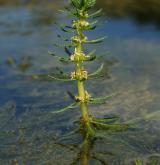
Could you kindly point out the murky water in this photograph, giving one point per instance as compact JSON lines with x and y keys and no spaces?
{"x":28,"y":130}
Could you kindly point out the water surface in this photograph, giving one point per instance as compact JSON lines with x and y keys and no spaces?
{"x":28,"y":129}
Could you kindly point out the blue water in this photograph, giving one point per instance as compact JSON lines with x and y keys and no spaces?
{"x":27,"y":102}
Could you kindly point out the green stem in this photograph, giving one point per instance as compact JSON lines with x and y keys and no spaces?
{"x":83,"y":104}
{"x":80,"y":84}
{"x":85,"y":120}
{"x":85,"y":152}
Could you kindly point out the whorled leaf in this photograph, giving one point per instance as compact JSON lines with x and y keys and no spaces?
{"x":110,"y":127}
{"x":79,"y":6}
{"x":76,"y":3}
{"x":89,"y":3}
{"x":111,"y":119}
{"x":71,"y":106}
{"x":97,"y":73}
{"x":91,"y":56}
{"x":96,"y":14}
{"x":68,"y":11}
{"x":83,"y":4}
{"x":96,"y":41}
{"x":66,"y":28}
{"x":70,"y":134}
{"x":65,"y":146}
{"x":63,"y":38}
{"x":100,"y":160}
{"x":59,"y":57}
{"x":91,"y":26}
{"x":71,"y":95}
{"x":101,"y":100}
{"x":66,"y":49}
{"x":60,"y":77}
{"x":57,"y":74}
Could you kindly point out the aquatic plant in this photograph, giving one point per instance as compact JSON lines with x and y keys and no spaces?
{"x":83,"y":21}
{"x":23,"y":65}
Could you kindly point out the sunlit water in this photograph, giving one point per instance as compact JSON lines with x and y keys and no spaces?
{"x":27,"y":128}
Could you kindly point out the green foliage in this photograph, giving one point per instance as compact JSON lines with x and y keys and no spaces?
{"x":110,"y":127}
{"x":80,"y":9}
{"x":91,"y":56}
{"x":107,"y":120}
{"x":83,"y":4}
{"x":97,"y":73}
{"x":91,"y":26}
{"x":96,"y":41}
{"x":100,"y":100}
{"x":66,"y":28}
{"x":71,"y":106}
{"x":95,"y":14}
{"x":61,"y":58}
{"x":137,"y":162}
{"x":60,"y":77}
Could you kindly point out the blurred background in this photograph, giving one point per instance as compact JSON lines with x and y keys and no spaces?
{"x":28,"y":30}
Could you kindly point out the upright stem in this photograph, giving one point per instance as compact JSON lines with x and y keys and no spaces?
{"x":80,"y":83}
{"x":85,"y":152}
{"x":81,"y":94}
{"x":81,"y":89}
{"x":83,"y":105}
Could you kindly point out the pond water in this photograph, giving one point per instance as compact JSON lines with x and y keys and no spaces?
{"x":28,"y":130}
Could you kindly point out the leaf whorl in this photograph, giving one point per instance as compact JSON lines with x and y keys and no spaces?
{"x":83,"y":4}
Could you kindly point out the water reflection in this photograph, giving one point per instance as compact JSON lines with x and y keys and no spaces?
{"x":23,"y":65}
{"x":86,"y":154}
{"x":33,"y":139}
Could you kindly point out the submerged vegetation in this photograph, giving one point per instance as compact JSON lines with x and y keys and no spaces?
{"x":23,"y":65}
